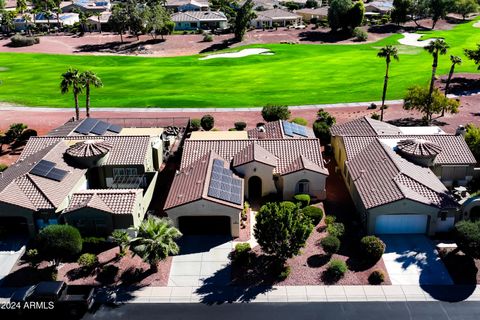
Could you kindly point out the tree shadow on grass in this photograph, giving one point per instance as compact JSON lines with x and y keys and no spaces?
{"x":323,"y":36}
{"x":225,"y":44}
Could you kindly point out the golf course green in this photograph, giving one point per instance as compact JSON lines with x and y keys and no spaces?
{"x":295,"y":75}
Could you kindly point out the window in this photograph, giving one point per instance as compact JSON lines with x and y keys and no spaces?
{"x":124,"y":172}
{"x":303,"y":186}
{"x":118,"y":172}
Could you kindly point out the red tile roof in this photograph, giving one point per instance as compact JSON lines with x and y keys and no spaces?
{"x":254,"y":152}
{"x":274,"y":130}
{"x":114,"y":201}
{"x":364,"y":126}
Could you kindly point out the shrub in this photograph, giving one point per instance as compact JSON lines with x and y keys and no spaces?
{"x":22,"y":41}
{"x":300,"y":121}
{"x":467,"y":237}
{"x":275,"y":112}
{"x":360,"y":34}
{"x":304,"y":199}
{"x":372,"y":106}
{"x":207,"y":122}
{"x":88,"y":261}
{"x":207,"y":38}
{"x":336,"y":269}
{"x":285,"y":273}
{"x":376,"y":277}
{"x":314,"y":213}
{"x":195,"y":124}
{"x":58,"y":241}
{"x":240,"y":125}
{"x":241,"y":255}
{"x":94,"y":241}
{"x":372,"y":248}
{"x":375,"y":116}
{"x":330,"y":219}
{"x":336,"y":229}
{"x":3,"y":167}
{"x":26,"y":134}
{"x":330,"y":244}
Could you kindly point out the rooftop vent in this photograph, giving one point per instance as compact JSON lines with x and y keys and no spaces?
{"x":89,"y":152}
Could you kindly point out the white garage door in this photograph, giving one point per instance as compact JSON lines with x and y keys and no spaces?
{"x":401,"y":223}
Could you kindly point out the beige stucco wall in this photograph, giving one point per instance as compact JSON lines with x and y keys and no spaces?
{"x":7,"y":210}
{"x":316,"y":180}
{"x":80,"y":185}
{"x":207,"y":208}
{"x":260,"y":170}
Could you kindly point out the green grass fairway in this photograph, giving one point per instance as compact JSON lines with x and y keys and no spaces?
{"x":295,"y":75}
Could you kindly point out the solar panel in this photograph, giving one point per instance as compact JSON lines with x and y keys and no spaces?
{"x":56,"y":174}
{"x":100,"y":128}
{"x":86,"y":126}
{"x":217,"y":163}
{"x":298,"y":129}
{"x":287,"y":128}
{"x":42,"y":168}
{"x":115,"y":128}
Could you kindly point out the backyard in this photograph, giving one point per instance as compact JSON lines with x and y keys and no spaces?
{"x":295,"y":74}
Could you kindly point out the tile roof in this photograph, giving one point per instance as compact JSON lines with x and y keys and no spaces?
{"x":114,"y":201}
{"x":178,"y":3}
{"x":381,"y":177}
{"x":191,"y":183}
{"x":126,"y":150}
{"x":254,"y":152}
{"x":276,"y":14}
{"x":364,"y":126}
{"x":286,"y":151}
{"x":274,"y":130}
{"x":65,"y":129}
{"x":322,"y":11}
{"x":195,"y":16}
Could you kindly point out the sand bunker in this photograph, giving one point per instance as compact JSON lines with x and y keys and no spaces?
{"x":411,"y":39}
{"x":477,"y":24}
{"x":239,"y":54}
{"x":3,"y":69}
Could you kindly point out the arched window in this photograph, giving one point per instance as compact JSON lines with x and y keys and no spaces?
{"x":303,"y":186}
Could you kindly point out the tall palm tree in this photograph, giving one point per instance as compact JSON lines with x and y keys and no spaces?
{"x":89,"y":78}
{"x":436,"y":47}
{"x":155,"y":241}
{"x":387,"y":52}
{"x":71,"y":79}
{"x":455,"y":60}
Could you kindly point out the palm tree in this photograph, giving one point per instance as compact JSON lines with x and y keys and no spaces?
{"x":155,"y":241}
{"x":455,"y":60}
{"x":436,"y":47}
{"x":387,"y":52}
{"x":71,"y":79}
{"x":99,"y":18}
{"x":87,"y":79}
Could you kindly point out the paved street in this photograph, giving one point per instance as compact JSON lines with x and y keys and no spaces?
{"x":201,"y":257}
{"x":412,"y":260}
{"x":281,"y":311}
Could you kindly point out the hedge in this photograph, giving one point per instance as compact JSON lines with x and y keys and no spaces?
{"x":330,"y":244}
{"x":304,"y":199}
{"x":314,"y":213}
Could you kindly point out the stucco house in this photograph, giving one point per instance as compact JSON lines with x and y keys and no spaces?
{"x":399,"y":177}
{"x":313,"y":13}
{"x":275,"y":17}
{"x":249,"y":168}
{"x":91,"y":6}
{"x":187,"y":5}
{"x":205,"y":20}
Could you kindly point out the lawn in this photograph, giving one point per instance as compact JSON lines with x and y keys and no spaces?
{"x":294,"y":75}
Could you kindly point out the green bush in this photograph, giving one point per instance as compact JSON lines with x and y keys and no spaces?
{"x":240,"y":125}
{"x":300,"y":121}
{"x":275,"y":112}
{"x":22,"y":41}
{"x":372,"y":248}
{"x":314,"y":213}
{"x":94,"y":241}
{"x":241,"y":254}
{"x":3,"y":167}
{"x":467,"y":236}
{"x":285,"y":273}
{"x":59,"y":241}
{"x":336,"y":269}
{"x":304,"y":199}
{"x":32,"y":254}
{"x":330,"y":244}
{"x":207,"y":122}
{"x":336,"y":229}
{"x":375,"y":116}
{"x":26,"y":134}
{"x":207,"y":38}
{"x":376,"y":277}
{"x":330,"y":220}
{"x":195,"y":124}
{"x":360,"y":35}
{"x":88,"y":261}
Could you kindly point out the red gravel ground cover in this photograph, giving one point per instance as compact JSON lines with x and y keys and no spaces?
{"x":245,"y":231}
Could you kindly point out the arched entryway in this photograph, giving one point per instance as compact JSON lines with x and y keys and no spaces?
{"x":254,"y":188}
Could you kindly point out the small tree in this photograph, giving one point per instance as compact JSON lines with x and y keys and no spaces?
{"x":240,"y":125}
{"x":207,"y":122}
{"x":419,"y":98}
{"x":195,"y":124}
{"x":474,"y":54}
{"x":472,"y":138}
{"x":321,"y":126}
{"x":59,"y":241}
{"x":14,"y":132}
{"x":311,"y":4}
{"x":122,"y":239}
{"x":244,"y":15}
{"x":119,"y":20}
{"x":467,"y":236}
{"x":281,"y":230}
{"x":372,"y":248}
{"x":401,"y":10}
{"x":330,"y":244}
{"x":275,"y":112}
{"x":465,"y":7}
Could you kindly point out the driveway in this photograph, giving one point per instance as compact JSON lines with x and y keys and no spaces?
{"x":413,"y":260}
{"x":11,"y":249}
{"x":201,"y":259}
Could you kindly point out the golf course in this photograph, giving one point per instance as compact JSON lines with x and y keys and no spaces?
{"x":296,"y":74}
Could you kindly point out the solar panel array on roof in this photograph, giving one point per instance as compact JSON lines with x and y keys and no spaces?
{"x":292,"y":128}
{"x":46,"y":169}
{"x":223,"y":185}
{"x":96,"y":127}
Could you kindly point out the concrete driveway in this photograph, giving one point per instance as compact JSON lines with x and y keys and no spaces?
{"x":413,"y":260}
{"x":202,"y":258}
{"x":11,"y":249}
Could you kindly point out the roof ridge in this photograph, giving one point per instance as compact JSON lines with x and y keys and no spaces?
{"x":27,"y":175}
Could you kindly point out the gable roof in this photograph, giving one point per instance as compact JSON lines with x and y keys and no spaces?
{"x":114,"y":201}
{"x":191,"y":183}
{"x":276,"y":13}
{"x":274,"y":130}
{"x":381,"y":177}
{"x":254,"y":152}
{"x":364,"y":126}
{"x":195,"y":16}
{"x":286,"y":151}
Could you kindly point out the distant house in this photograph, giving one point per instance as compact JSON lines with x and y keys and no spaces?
{"x":279,"y":17}
{"x":262,"y":5}
{"x":11,"y":5}
{"x":91,"y":6}
{"x":309,"y":13}
{"x":205,"y":20}
{"x":378,"y":7}
{"x":41,"y":19}
{"x":97,"y":23}
{"x":187,"y":5}
{"x":399,"y":177}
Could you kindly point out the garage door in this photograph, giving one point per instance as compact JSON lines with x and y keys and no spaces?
{"x":401,"y":223}
{"x":204,"y":225}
